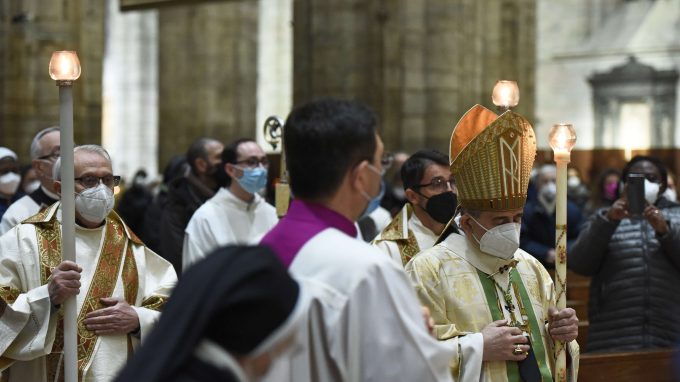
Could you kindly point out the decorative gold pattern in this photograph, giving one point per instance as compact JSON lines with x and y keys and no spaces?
{"x":436,"y":274}
{"x":130,"y":277}
{"x":464,"y":289}
{"x":406,"y":241}
{"x":154,"y":302}
{"x":48,"y":232}
{"x":9,"y":294}
{"x":408,"y":248}
{"x":492,"y":171}
{"x":54,"y":363}
{"x":101,"y":286}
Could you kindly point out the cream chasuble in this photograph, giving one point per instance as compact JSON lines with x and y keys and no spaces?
{"x":115,"y":264}
{"x":404,"y":237}
{"x":466,"y":290}
{"x":225,"y":219}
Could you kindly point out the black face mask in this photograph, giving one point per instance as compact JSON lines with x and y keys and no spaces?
{"x":217,"y":173}
{"x":441,"y":207}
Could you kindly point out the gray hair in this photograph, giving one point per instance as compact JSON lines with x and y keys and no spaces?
{"x":96,"y":149}
{"x":36,"y":148}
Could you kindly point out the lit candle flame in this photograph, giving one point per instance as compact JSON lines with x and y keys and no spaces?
{"x":64,"y":66}
{"x":562,"y":137}
{"x":505,"y":94}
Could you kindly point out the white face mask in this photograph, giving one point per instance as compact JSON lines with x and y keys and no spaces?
{"x":95,"y":203}
{"x":31,"y":186}
{"x":399,"y":193}
{"x":546,"y":196}
{"x":9,"y":183}
{"x":651,"y":192}
{"x":670,"y":195}
{"x":501,"y":241}
{"x":573,"y":181}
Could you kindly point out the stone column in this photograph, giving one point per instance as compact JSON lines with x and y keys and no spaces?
{"x":207,"y":73}
{"x":420,"y":64}
{"x":30,"y":30}
{"x":130,"y":110}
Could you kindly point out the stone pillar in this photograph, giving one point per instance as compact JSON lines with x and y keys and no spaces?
{"x":420,"y":64}
{"x":30,"y":30}
{"x":274,"y":64}
{"x":207,"y":73}
{"x":130,"y":116}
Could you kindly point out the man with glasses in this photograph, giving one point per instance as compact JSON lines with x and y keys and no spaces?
{"x":430,"y":190}
{"x":44,"y":152}
{"x":365,"y":323}
{"x":119,"y":285}
{"x":237,"y":214}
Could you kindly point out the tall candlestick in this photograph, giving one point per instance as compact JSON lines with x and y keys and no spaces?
{"x":562,"y":139}
{"x":65,"y":68}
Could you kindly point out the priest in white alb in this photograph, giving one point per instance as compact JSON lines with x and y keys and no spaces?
{"x":237,"y":214}
{"x":365,"y":321}
{"x":492,"y":301}
{"x":119,"y":284}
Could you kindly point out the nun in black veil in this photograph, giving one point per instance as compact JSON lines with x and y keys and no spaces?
{"x":228,"y":319}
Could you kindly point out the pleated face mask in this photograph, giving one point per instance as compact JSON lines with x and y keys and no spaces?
{"x":501,"y":241}
{"x":651,"y":191}
{"x":95,"y":203}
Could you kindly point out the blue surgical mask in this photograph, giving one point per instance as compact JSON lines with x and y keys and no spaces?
{"x":253,"y":179}
{"x":374,"y":202}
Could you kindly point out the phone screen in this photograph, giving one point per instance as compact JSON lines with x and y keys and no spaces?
{"x":635,"y":194}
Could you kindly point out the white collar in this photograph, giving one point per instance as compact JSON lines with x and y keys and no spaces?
{"x":215,"y":355}
{"x":225,"y":195}
{"x":50,"y":193}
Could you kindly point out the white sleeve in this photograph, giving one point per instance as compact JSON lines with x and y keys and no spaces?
{"x":159,"y":278}
{"x":28,"y":325}
{"x":191,"y":251}
{"x":382,"y":334}
{"x":466,"y":362}
{"x":389,"y":248}
{"x":9,"y":220}
{"x":5,"y":224}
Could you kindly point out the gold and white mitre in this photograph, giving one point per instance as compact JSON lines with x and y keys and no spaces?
{"x":491,"y":158}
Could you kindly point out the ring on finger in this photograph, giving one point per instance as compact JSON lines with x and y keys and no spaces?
{"x":517,"y":350}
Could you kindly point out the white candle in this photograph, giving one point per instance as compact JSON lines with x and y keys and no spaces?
{"x":65,"y":68}
{"x":562,"y":139}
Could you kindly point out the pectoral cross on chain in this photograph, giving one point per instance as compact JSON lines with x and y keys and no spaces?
{"x":510,"y":307}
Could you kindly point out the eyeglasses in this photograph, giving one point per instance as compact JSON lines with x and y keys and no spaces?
{"x":50,"y":157}
{"x":254,"y":161}
{"x":387,"y":160}
{"x":90,"y":181}
{"x":438,"y":184}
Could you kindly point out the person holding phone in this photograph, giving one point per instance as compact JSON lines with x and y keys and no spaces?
{"x":631,"y":252}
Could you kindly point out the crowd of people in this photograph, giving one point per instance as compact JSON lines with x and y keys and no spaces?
{"x":385,"y":267}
